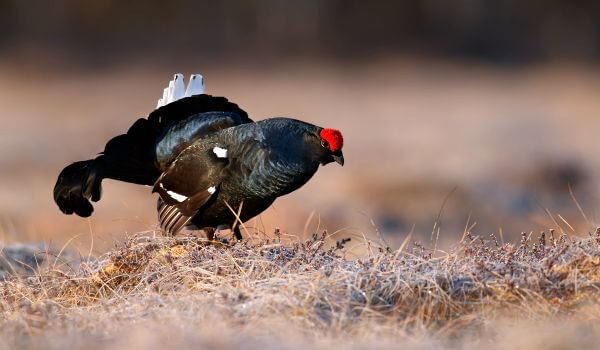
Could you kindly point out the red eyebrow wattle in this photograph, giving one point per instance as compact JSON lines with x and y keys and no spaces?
{"x":334,"y":138}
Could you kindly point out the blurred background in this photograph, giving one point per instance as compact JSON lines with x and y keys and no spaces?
{"x":455,"y":114}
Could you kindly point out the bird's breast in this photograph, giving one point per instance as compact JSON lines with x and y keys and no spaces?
{"x":268,"y":178}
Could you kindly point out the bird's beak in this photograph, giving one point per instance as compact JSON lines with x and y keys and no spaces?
{"x":339,"y":158}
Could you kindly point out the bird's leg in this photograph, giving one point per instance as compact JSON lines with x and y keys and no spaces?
{"x":218,"y":233}
{"x":210,"y":233}
{"x":237,"y":233}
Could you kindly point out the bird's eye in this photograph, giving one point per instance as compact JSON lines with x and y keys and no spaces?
{"x":325,"y":144}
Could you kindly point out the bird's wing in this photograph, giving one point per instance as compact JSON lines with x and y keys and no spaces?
{"x":180,"y":135}
{"x":188,"y":184}
{"x":184,"y":121}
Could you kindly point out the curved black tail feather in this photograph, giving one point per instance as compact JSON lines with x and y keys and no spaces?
{"x":76,"y":184}
{"x":128,"y":157}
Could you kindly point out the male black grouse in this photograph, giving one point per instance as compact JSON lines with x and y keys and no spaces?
{"x":205,"y":158}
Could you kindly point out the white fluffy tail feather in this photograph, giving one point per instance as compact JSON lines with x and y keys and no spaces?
{"x":195,"y":85}
{"x":177,"y":89}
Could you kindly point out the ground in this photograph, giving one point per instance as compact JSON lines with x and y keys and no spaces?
{"x":286,"y":294}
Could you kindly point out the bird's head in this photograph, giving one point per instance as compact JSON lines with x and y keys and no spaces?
{"x":328,"y":146}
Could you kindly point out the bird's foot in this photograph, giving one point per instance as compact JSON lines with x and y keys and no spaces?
{"x":226,"y":235}
{"x":210,"y":233}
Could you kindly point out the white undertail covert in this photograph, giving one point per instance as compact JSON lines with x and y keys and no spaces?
{"x":177,"y":89}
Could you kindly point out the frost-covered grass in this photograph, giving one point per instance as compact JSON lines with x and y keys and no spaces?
{"x":187,"y":292}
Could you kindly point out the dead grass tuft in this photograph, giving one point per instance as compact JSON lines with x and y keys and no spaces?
{"x":271,"y":288}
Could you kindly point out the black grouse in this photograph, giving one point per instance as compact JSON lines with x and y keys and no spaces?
{"x":206,"y":159}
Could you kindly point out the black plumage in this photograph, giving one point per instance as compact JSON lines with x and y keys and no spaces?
{"x":204,"y":157}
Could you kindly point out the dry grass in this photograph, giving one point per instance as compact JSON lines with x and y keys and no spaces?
{"x":273,"y":294}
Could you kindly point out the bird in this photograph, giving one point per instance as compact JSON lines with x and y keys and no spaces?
{"x":210,"y":164}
